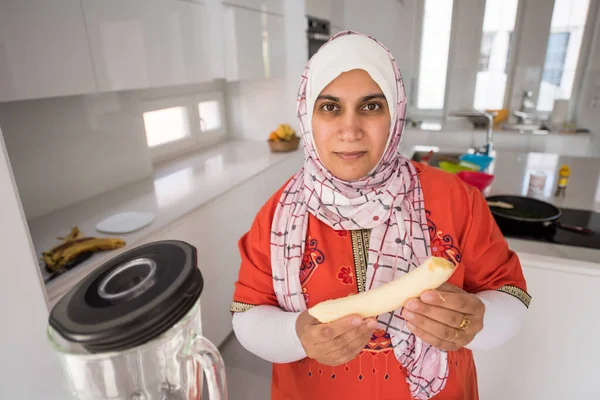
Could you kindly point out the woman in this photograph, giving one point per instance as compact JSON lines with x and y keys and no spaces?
{"x":359,"y":215}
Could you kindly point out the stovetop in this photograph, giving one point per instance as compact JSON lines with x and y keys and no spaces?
{"x":552,"y":234}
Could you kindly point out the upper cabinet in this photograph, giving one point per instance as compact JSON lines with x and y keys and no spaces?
{"x":255,"y":44}
{"x":147,"y":43}
{"x":43,"y":50}
{"x":70,"y":47}
{"x":269,"y":6}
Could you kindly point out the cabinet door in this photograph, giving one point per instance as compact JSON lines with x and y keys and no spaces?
{"x":43,"y":50}
{"x":569,"y":145}
{"x":244,"y":30}
{"x":276,"y":46}
{"x":147,"y":43}
{"x":270,"y":6}
{"x":255,"y":44}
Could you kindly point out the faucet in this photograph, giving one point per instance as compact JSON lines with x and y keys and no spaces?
{"x":524,"y":113}
{"x":487,"y":148}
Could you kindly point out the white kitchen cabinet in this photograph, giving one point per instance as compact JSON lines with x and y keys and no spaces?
{"x":270,"y":6}
{"x":147,"y":43}
{"x":276,"y":46}
{"x":555,"y":356}
{"x":255,"y":44}
{"x":43,"y":50}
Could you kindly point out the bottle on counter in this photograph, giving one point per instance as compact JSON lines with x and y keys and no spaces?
{"x":563,"y":179}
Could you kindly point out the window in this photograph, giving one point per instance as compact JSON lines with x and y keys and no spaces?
{"x":562,"y":52}
{"x":486,"y":49}
{"x":556,"y":53}
{"x":210,"y":115}
{"x":498,"y":25}
{"x":435,"y":45}
{"x":177,"y":125}
{"x":166,"y":125}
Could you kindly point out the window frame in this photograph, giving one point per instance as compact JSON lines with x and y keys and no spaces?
{"x":196,"y":139}
{"x":414,"y":110}
{"x":512,"y":64}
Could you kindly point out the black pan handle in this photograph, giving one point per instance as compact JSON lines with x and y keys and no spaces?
{"x":576,"y":229}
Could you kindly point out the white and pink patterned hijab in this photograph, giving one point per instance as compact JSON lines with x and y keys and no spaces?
{"x":389,"y":201}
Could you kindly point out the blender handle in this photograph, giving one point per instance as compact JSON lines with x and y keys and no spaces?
{"x":209,"y":358}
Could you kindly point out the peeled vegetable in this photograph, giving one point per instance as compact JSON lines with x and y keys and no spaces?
{"x":388,"y":297}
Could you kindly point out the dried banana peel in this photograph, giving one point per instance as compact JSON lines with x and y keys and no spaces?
{"x":74,"y":245}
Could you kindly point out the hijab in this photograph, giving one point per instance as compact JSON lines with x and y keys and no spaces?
{"x":388,"y":201}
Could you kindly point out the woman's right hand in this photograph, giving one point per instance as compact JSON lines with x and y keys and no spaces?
{"x":336,"y":342}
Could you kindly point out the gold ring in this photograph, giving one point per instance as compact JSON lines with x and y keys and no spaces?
{"x":464,"y":324}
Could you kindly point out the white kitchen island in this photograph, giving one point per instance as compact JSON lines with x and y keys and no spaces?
{"x":555,"y":356}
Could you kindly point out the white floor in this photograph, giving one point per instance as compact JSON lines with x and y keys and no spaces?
{"x":248,"y":377}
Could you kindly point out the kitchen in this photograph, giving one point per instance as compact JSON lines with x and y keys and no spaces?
{"x":82,"y":88}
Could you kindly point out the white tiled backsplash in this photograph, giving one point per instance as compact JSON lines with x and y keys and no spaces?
{"x":64,"y":150}
{"x":68,"y":149}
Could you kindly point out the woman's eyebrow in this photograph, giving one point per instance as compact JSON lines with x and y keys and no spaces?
{"x":373,"y":96}
{"x":329,"y":97}
{"x":363,"y":99}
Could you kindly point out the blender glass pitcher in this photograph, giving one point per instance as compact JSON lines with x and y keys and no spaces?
{"x":131,"y":329}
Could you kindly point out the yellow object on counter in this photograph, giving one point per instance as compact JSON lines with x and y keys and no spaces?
{"x":563,"y":179}
{"x":501,"y":116}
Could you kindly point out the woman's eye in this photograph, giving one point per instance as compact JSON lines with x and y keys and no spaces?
{"x":372,"y":107}
{"x":329,"y":107}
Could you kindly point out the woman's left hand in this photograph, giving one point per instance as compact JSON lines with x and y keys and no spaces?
{"x":447,"y":318}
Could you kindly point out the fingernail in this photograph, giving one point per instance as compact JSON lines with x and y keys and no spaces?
{"x":408,"y":315}
{"x":356,"y":321}
{"x":410,"y":326}
{"x":430,"y":296}
{"x":412,"y":305}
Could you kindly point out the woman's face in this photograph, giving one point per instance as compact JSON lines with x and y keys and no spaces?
{"x":351,"y":125}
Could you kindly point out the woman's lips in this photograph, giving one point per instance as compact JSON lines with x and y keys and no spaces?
{"x":350,"y":155}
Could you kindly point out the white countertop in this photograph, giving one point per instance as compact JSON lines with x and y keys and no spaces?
{"x":181,"y":186}
{"x":175,"y":189}
{"x":452,"y":125}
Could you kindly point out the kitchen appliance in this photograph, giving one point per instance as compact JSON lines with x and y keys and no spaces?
{"x":526,"y":211}
{"x":551,"y":233}
{"x":318,"y":32}
{"x":132,"y":330}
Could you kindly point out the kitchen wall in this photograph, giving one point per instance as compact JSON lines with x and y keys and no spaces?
{"x":392,"y":22}
{"x":28,"y":369}
{"x":67,"y":149}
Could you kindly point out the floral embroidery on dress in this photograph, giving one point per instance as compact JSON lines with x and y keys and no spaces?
{"x":341,"y":233}
{"x":345,"y":275}
{"x":442,"y":245}
{"x":313,"y":257}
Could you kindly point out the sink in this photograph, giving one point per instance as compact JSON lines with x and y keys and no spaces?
{"x":525,"y":128}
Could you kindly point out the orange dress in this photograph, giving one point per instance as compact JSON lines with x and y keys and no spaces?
{"x":461,"y":228}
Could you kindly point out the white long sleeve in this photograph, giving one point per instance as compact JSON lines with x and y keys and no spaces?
{"x":504,"y":315}
{"x":270,"y":333}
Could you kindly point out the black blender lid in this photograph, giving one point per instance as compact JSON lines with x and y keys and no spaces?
{"x":131,"y":299}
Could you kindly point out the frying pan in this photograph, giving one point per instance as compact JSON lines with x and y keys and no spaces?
{"x":529,"y":212}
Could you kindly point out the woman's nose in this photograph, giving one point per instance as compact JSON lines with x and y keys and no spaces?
{"x":350,"y":129}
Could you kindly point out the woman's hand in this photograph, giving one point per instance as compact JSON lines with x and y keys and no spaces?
{"x":337,"y":342}
{"x":447,"y":318}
